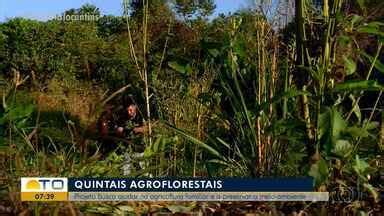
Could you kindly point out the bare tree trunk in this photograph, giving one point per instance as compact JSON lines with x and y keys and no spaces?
{"x":145,"y":67}
{"x":301,"y":75}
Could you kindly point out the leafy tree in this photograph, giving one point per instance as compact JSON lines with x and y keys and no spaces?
{"x":191,"y":8}
{"x":86,"y":9}
{"x":89,"y":9}
{"x":110,"y":25}
{"x":23,"y":42}
{"x":157,"y":9}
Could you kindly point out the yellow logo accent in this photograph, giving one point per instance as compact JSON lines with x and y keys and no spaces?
{"x":33,"y":184}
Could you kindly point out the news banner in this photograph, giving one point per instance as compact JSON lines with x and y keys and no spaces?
{"x":175,"y":189}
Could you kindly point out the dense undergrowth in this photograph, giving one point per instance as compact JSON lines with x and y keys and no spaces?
{"x":235,"y":95}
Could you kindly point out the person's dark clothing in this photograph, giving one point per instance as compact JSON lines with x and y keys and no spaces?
{"x":137,"y":144}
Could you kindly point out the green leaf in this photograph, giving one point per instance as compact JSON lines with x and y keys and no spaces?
{"x":239,"y":48}
{"x":356,"y":19}
{"x":148,"y":152}
{"x":361,"y":4}
{"x":342,"y":148}
{"x":177,"y":67}
{"x":344,"y":40}
{"x":372,"y":191}
{"x":378,"y":65}
{"x":330,"y":126}
{"x":195,"y":141}
{"x":188,"y":69}
{"x":338,"y":124}
{"x":214,"y":52}
{"x":359,"y":85}
{"x":323,"y":124}
{"x":357,"y":132}
{"x":223,"y":143}
{"x":20,"y":111}
{"x":372,"y":28}
{"x":319,"y":171}
{"x":349,"y":65}
{"x":356,"y":108}
{"x":361,"y":168}
{"x":371,"y":125}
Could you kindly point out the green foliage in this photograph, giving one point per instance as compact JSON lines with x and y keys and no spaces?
{"x":320,"y":172}
{"x":15,"y":118}
{"x":183,"y":69}
{"x":66,"y":50}
{"x":358,"y":85}
{"x":189,"y":8}
{"x":350,"y":65}
{"x":331,"y":124}
{"x":23,"y":39}
{"x":109,"y":25}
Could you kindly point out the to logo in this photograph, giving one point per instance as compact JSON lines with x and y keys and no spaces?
{"x":39,"y":184}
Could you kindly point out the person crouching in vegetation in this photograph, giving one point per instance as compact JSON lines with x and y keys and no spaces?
{"x":126,"y":127}
{"x":123,"y":132}
{"x":132,"y":124}
{"x":133,"y":131}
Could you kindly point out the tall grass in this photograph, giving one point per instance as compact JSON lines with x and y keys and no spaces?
{"x":249,"y":149}
{"x":141,"y":62}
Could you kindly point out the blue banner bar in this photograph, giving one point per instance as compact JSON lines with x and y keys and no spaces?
{"x":304,"y":184}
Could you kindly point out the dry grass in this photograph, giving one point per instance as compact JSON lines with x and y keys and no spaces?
{"x":78,"y":102}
